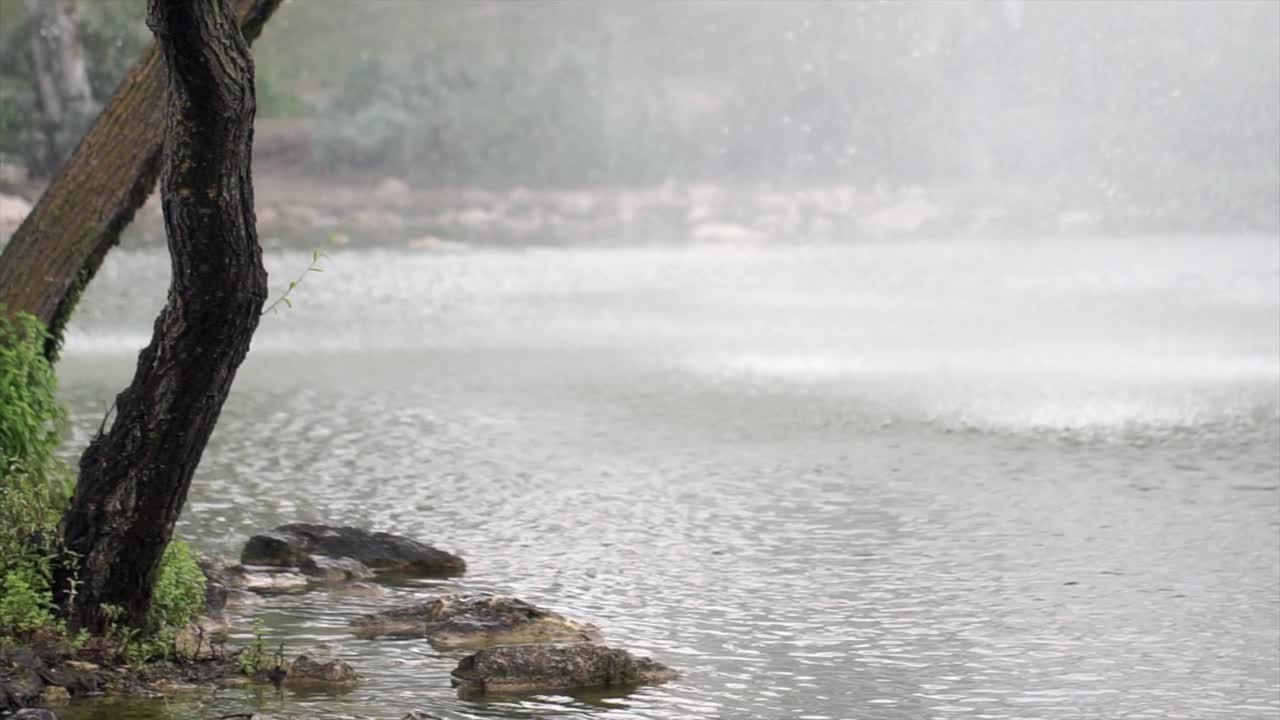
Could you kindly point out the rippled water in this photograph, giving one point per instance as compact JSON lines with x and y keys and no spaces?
{"x":882,"y":481}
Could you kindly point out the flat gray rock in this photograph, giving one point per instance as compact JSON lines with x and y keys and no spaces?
{"x":320,"y":668}
{"x":475,"y":621}
{"x":531,"y":669}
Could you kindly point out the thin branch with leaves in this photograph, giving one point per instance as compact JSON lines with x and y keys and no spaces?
{"x":316,"y":257}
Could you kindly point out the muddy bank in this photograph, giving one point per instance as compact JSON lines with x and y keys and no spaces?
{"x":302,"y":211}
{"x":51,"y":675}
{"x":297,"y":210}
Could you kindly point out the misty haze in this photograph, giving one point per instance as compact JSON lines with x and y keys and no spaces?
{"x":854,"y":360}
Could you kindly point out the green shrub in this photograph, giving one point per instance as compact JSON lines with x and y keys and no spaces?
{"x":34,"y":483}
{"x":35,"y":487}
{"x":30,"y":416}
{"x":178,"y":595}
{"x":254,"y":657}
{"x":177,"y":598}
{"x":25,"y":601}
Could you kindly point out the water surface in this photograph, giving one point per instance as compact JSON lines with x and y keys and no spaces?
{"x":925,"y":479}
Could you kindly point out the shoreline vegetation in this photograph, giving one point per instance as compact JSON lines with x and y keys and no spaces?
{"x":503,"y":645}
{"x":42,"y":659}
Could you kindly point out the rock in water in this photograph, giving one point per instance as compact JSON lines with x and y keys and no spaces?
{"x":526,"y":669}
{"x":226,"y":578}
{"x":361,"y":589}
{"x":33,"y":714}
{"x":53,"y":695}
{"x":22,"y":674}
{"x":215,"y":593}
{"x":291,"y":545}
{"x":335,"y":571}
{"x":271,"y":582}
{"x":320,"y":668}
{"x":274,"y":549}
{"x":475,"y":621}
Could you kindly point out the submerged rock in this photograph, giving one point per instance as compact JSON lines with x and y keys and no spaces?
{"x":525,"y":669}
{"x":361,"y":589}
{"x":291,"y":545}
{"x":34,"y":714}
{"x":168,"y":687}
{"x":228,"y":578}
{"x":335,"y":571}
{"x":54,"y":695}
{"x":215,"y":593}
{"x":320,"y":668}
{"x":475,"y":621}
{"x":240,"y":599}
{"x":273,"y":583}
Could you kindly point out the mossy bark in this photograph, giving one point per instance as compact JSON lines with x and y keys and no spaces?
{"x":134,"y":478}
{"x":57,"y":250}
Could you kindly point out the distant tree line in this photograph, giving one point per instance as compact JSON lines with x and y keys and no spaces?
{"x":1119,"y":100}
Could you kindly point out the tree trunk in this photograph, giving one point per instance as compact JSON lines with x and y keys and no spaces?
{"x":62,"y":84}
{"x":59,"y":247}
{"x":134,"y":479}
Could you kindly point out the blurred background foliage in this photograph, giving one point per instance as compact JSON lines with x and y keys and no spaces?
{"x":1135,"y":100}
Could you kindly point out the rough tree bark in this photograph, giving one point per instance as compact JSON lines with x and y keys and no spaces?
{"x":61,"y":82}
{"x":57,"y":250}
{"x":134,"y":479}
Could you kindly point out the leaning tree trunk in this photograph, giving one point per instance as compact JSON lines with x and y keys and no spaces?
{"x":61,"y":82}
{"x":134,"y":479}
{"x":59,"y":247}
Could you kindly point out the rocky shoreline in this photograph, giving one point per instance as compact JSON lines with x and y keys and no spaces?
{"x":303,"y":211}
{"x":506,"y":646}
